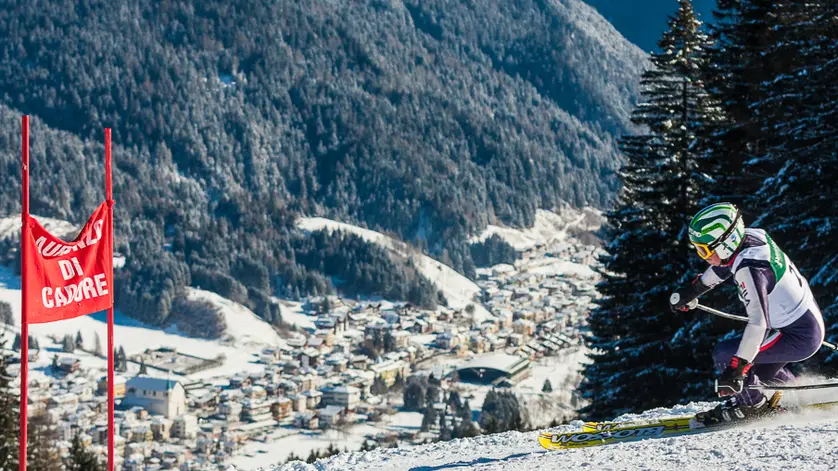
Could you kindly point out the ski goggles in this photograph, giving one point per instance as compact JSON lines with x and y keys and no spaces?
{"x":704,"y":250}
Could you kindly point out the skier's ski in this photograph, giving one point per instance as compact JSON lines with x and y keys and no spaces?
{"x":600,"y":426}
{"x":593,"y":427}
{"x":606,"y":433}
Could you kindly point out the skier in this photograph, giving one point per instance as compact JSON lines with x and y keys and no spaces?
{"x":784,"y":322}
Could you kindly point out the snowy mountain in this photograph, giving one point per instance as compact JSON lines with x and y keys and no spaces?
{"x":550,"y":226}
{"x":790,"y":442}
{"x":427,"y":119}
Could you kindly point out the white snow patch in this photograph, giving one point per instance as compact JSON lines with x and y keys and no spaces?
{"x":302,"y":442}
{"x":294,"y":314}
{"x":247,"y":334}
{"x":458,"y":290}
{"x":549,"y":227}
{"x":10,"y":227}
{"x":564,"y":268}
{"x":245,"y":327}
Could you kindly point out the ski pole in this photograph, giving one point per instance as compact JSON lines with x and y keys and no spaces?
{"x":786,"y":387}
{"x":792,"y":387}
{"x":716,"y":312}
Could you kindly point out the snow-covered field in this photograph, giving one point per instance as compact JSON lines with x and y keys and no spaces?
{"x":786,"y":443}
{"x":246,"y":333}
{"x":458,"y":290}
{"x":301,"y":442}
{"x":549,"y":227}
{"x":245,"y":336}
{"x":294,"y":314}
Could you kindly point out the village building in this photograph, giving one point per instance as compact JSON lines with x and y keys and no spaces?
{"x":159,"y":396}
{"x":347,"y":397}
{"x":185,"y":427}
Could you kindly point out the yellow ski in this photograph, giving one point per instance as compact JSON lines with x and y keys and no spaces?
{"x":613,"y":432}
{"x":678,"y":422}
{"x":606,"y":433}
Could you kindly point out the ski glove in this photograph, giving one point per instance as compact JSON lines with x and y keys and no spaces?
{"x":732,"y":379}
{"x":686,"y":298}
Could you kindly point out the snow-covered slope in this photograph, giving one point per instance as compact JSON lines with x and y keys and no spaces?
{"x":246,"y":333}
{"x":244,"y":328}
{"x":10,"y":226}
{"x":550,"y":226}
{"x":790,"y":442}
{"x":458,"y":290}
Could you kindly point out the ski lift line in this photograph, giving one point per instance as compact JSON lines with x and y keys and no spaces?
{"x":716,"y":312}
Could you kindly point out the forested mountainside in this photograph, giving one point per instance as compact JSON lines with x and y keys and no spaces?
{"x":645,"y":29}
{"x":425,"y":119}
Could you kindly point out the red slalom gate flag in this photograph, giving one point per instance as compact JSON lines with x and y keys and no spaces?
{"x":69,"y":279}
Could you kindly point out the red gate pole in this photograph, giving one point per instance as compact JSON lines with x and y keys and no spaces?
{"x":109,"y":196}
{"x":24,"y":311}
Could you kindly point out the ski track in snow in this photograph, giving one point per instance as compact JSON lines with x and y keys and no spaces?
{"x":805,"y":441}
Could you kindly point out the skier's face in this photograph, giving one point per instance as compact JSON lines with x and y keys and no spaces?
{"x":714,"y":260}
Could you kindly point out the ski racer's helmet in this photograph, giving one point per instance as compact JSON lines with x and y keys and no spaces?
{"x":718,"y":229}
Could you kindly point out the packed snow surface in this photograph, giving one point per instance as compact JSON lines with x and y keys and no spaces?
{"x":805,"y":441}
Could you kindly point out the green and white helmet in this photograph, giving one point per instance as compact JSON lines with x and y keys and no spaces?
{"x":718,"y":229}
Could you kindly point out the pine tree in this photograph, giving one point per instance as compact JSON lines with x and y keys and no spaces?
{"x":547,"y":387}
{"x":9,"y":419}
{"x":464,"y":411}
{"x":501,"y":412}
{"x":79,"y":341}
{"x":445,"y":432}
{"x":454,"y":400}
{"x":117,"y":365}
{"x":379,"y":386}
{"x":97,"y":345}
{"x":67,"y":344}
{"x":428,"y":419}
{"x":639,"y":346}
{"x":41,"y":451}
{"x":123,"y":360}
{"x":16,"y":343}
{"x":6,"y":316}
{"x":82,"y":459}
{"x":800,"y":112}
{"x":734,"y":74}
{"x":414,"y":395}
{"x":431,"y":396}
{"x":466,"y":428}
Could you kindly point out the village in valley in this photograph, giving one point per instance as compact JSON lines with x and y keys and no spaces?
{"x":337,"y":378}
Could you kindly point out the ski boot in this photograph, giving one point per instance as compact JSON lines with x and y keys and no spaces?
{"x":730,"y":411}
